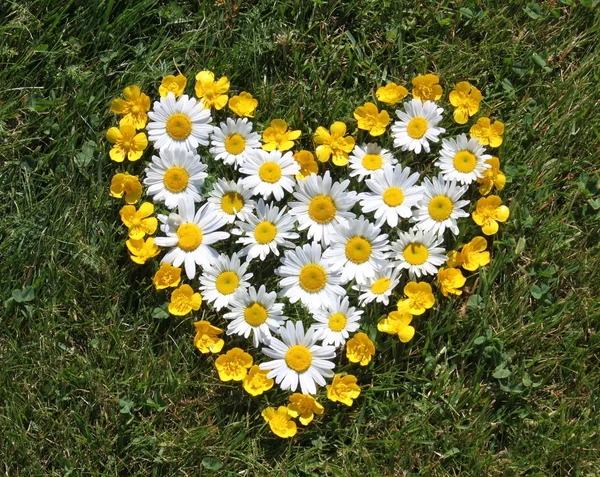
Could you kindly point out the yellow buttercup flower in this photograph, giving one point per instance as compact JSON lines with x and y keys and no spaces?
{"x":426,"y":88}
{"x":489,"y":212}
{"x":243,"y":105}
{"x":333,"y":144}
{"x":184,"y":300}
{"x":233,"y":365}
{"x":133,"y":107}
{"x":127,"y":144}
{"x":207,"y":337}
{"x":486,"y":133}
{"x":492,"y":177}
{"x":280,"y":421}
{"x":211,"y":92}
{"x":398,"y":323}
{"x":305,"y":406}
{"x":466,"y":100}
{"x":472,"y":255}
{"x":256,"y":382}
{"x":166,"y":276}
{"x":420,"y":297}
{"x":370,"y":119}
{"x":307,"y":162}
{"x":139,"y":221}
{"x":172,"y":84}
{"x":277,"y":136}
{"x":343,"y":389}
{"x":126,"y":185}
{"x":391,"y":93}
{"x":142,"y":251}
{"x":450,"y":281}
{"x":360,"y":349}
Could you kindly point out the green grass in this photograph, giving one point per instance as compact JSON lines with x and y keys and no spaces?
{"x":94,"y":384}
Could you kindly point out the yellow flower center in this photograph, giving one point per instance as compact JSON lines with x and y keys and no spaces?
{"x":270,"y":172}
{"x":337,"y":322}
{"x":255,"y":314}
{"x":312,"y":278}
{"x":417,"y":127}
{"x":126,"y":145}
{"x":440,"y":207}
{"x":393,"y":196}
{"x":227,"y":283}
{"x":358,"y":250}
{"x":265,"y":232}
{"x":235,"y":144}
{"x":135,"y":109}
{"x":465,"y":161}
{"x":372,"y":162}
{"x":416,"y":253}
{"x":190,"y":236}
{"x":176,"y":179}
{"x":299,"y":358}
{"x":322,"y":209}
{"x":381,"y":286}
{"x":232,"y":202}
{"x":179,"y":126}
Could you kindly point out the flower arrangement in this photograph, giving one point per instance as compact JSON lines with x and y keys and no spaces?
{"x":345,"y":226}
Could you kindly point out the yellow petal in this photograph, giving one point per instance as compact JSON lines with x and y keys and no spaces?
{"x":323,"y":153}
{"x":322,"y":136}
{"x":146,"y":209}
{"x":119,"y":106}
{"x":205,"y":76}
{"x":490,"y":228}
{"x":132,"y":92}
{"x":127,"y":131}
{"x":340,"y":159}
{"x":117,"y":154}
{"x":114,"y":135}
{"x":406,"y":334}
{"x":461,"y":116}
{"x":502,"y":213}
{"x":140,"y":141}
{"x":338,"y":128}
{"x":127,"y":214}
{"x":221,"y":101}
{"x":293,"y":135}
{"x":279,"y":124}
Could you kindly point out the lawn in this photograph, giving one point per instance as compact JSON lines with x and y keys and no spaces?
{"x":503,"y":380}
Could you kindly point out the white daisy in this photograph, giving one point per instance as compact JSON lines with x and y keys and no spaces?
{"x":174,"y":175}
{"x":368,"y":158}
{"x":264,"y":233}
{"x":323,"y":206}
{"x":255,"y":312}
{"x":298,"y":359}
{"x":269,"y":173}
{"x":232,"y":141}
{"x":380,"y":287}
{"x":191,"y":235}
{"x":440,"y":206}
{"x":179,"y":123}
{"x":419,"y":252}
{"x":462,"y":159}
{"x":307,"y":277}
{"x":417,"y":126}
{"x":336,"y":322}
{"x":231,"y":200}
{"x":393,"y":194}
{"x":358,"y":250}
{"x":221,"y":280}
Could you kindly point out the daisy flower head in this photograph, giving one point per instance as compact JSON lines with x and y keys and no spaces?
{"x":308,"y":278}
{"x":232,"y":140}
{"x":174,"y":175}
{"x":264,"y":232}
{"x":323,"y":206}
{"x":134,"y":107}
{"x":357,"y":250}
{"x":368,"y":158}
{"x":221,"y":280}
{"x":380,"y":287}
{"x":440,"y":206}
{"x":277,"y":136}
{"x":417,"y":126}
{"x":462,"y":159}
{"x":211,"y":92}
{"x":392,"y":194}
{"x":419,"y":252}
{"x":269,"y":173}
{"x":180,"y":123}
{"x":190,"y":235}
{"x":333,"y":143}
{"x":335,"y":323}
{"x":231,"y":200}
{"x":297,"y":359}
{"x":255,"y":312}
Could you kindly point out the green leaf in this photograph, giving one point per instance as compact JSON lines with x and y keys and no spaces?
{"x":536,"y":292}
{"x":479,"y":340}
{"x":474,"y":302}
{"x":125,"y":406}
{"x":533,"y":10}
{"x":160,"y":312}
{"x":520,"y":246}
{"x":25,"y":295}
{"x":212,"y":463}
{"x":501,"y":372}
